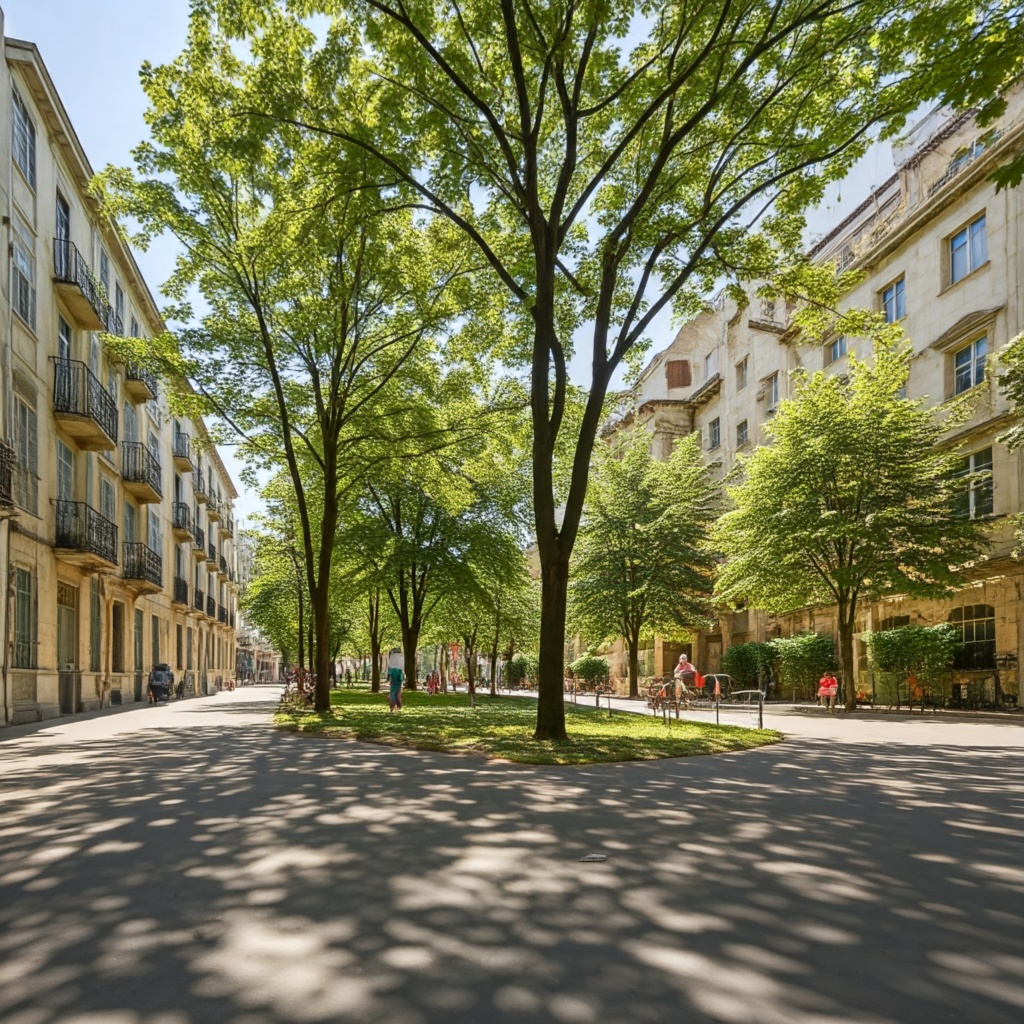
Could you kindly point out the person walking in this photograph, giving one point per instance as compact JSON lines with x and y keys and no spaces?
{"x":828,"y":687}
{"x":394,"y":682}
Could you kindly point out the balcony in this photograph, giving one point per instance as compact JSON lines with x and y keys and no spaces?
{"x":81,"y":293}
{"x":198,"y":601}
{"x":213,"y":511}
{"x":140,"y":471}
{"x":181,"y":520}
{"x":211,"y":607}
{"x":199,"y":544}
{"x":182,"y":451}
{"x":139,"y":383}
{"x":180,"y":591}
{"x":231,"y":620}
{"x":114,"y":324}
{"x":227,"y":527}
{"x":143,"y":568}
{"x":7,"y":461}
{"x":222,"y":615}
{"x":211,"y":558}
{"x":198,"y":487}
{"x":223,"y":567}
{"x":82,"y":406}
{"x":83,"y":537}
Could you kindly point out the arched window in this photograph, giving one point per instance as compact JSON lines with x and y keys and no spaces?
{"x":977,"y":626}
{"x":893,"y":622}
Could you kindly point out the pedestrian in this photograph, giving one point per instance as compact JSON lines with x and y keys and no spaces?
{"x":348,"y":679}
{"x":395,"y":662}
{"x":828,"y":687}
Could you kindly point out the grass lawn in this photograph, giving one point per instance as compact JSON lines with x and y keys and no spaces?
{"x":503,"y":727}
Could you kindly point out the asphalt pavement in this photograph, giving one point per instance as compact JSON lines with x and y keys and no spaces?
{"x":188,"y":864}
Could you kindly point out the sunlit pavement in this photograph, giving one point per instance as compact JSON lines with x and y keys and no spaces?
{"x":188,"y":864}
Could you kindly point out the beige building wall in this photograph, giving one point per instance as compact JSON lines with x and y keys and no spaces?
{"x":113,"y":494}
{"x":737,"y":362}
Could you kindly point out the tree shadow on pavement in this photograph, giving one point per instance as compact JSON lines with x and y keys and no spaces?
{"x":254,"y":877}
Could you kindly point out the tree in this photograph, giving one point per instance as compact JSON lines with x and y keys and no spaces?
{"x":606,"y":162}
{"x":804,"y":658}
{"x":590,"y":668}
{"x":852,"y":498}
{"x":643,"y":564}
{"x":318,"y":298}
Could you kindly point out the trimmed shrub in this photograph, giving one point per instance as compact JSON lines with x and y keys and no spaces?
{"x":590,"y":668}
{"x":749,"y":663}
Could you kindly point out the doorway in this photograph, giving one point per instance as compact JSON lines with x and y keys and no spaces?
{"x":68,"y":679}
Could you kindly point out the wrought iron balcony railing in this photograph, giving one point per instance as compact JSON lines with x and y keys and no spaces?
{"x":198,"y":600}
{"x":222,"y":615}
{"x":80,"y":528}
{"x":212,"y":552}
{"x":6,"y":475}
{"x":139,"y":382}
{"x":198,"y":484}
{"x":223,"y":565}
{"x":200,"y":537}
{"x":142,"y":563}
{"x":181,"y":517}
{"x":211,"y":606}
{"x":77,"y":393}
{"x":83,"y":294}
{"x":139,"y":466}
{"x":183,"y":447}
{"x":180,"y":590}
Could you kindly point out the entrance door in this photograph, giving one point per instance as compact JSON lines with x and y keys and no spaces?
{"x":138,"y":653}
{"x":67,"y":648}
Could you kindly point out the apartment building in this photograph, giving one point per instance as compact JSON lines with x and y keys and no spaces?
{"x":943,"y":254}
{"x":118,"y":530}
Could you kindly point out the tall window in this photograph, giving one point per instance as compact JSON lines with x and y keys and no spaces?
{"x":714,"y":433}
{"x":24,"y":620}
{"x":105,"y":271}
{"x":23,"y":272}
{"x":155,"y":637}
{"x":107,"y":501}
{"x":969,"y":365}
{"x":26,"y":489}
{"x":968,"y":249}
{"x":976,"y":498}
{"x":837,"y":348}
{"x":977,"y":626}
{"x":711,"y":364}
{"x":772,"y":391}
{"x":95,"y":627}
{"x":135,"y":328}
{"x":23,"y":140}
{"x":63,"y":339}
{"x":741,"y":434}
{"x":177,"y":648}
{"x":154,"y":532}
{"x":65,"y":472}
{"x":188,"y":647}
{"x":894,"y":301}
{"x":119,"y":303}
{"x":741,"y":373}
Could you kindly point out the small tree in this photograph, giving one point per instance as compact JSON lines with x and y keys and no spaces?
{"x":804,"y":658}
{"x":643,"y":564}
{"x":926,"y":652}
{"x":749,"y":663}
{"x":853,"y":499}
{"x":590,"y":668}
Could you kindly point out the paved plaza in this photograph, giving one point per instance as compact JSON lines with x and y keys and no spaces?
{"x":189,"y":864}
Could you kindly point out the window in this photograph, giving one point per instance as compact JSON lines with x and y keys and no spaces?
{"x":23,"y":140}
{"x":95,"y":629}
{"x":772,"y":391}
{"x":711,"y":364}
{"x":26,"y":479}
{"x":188,"y":648}
{"x":977,"y":626}
{"x":969,"y":366}
{"x":155,"y":639}
{"x":893,"y":622}
{"x":23,"y":272}
{"x":976,"y":499}
{"x":119,"y":304}
{"x":837,"y":348}
{"x":677,"y":373}
{"x":741,"y":374}
{"x":968,"y":249}
{"x":107,"y":501}
{"x":63,"y":339}
{"x":714,"y":433}
{"x":177,"y":648}
{"x":24,"y":620}
{"x":105,"y":271}
{"x":65,"y":472}
{"x":894,"y":301}
{"x":129,"y":522}
{"x":135,"y":328}
{"x":154,"y":532}
{"x":741,"y":434}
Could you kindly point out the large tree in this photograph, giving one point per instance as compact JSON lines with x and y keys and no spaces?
{"x":853,"y":497}
{"x":643,"y":563}
{"x":608,"y":160}
{"x":319,"y":303}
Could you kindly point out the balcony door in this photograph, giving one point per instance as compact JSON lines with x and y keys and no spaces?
{"x":67,"y":627}
{"x":65,"y":473}
{"x":131,"y":422}
{"x":63,"y":253}
{"x":129,"y":522}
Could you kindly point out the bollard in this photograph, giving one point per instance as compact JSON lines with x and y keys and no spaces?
{"x":718,"y":701}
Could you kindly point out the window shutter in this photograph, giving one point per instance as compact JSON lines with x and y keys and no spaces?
{"x":677,"y":373}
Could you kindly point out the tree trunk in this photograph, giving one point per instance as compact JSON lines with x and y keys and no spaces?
{"x":551,"y":659}
{"x":471,"y":675}
{"x":846,"y":664}
{"x":374,"y":622}
{"x":410,"y":641}
{"x":634,"y":665}
{"x":302,"y":636}
{"x":494,"y":670}
{"x":320,"y":645}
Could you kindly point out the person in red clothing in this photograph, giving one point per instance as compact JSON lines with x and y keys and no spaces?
{"x":828,"y":687}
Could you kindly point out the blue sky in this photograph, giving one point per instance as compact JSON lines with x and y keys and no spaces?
{"x":94,"y":49}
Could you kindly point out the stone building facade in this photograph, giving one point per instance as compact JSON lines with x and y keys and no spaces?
{"x":118,"y":530}
{"x":942,"y":253}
